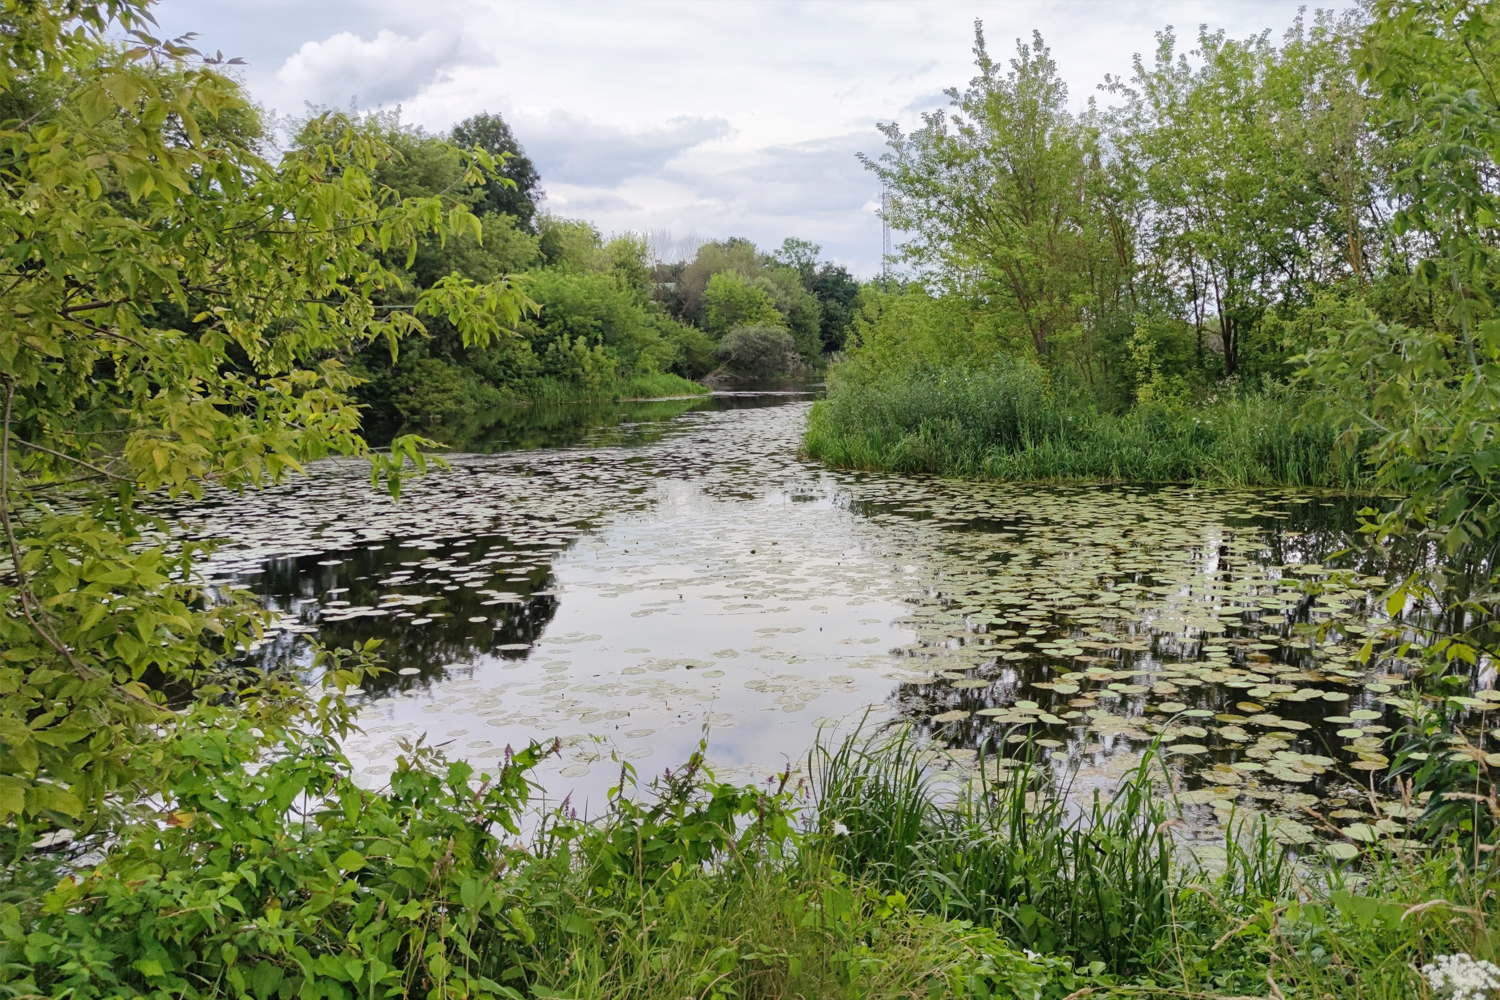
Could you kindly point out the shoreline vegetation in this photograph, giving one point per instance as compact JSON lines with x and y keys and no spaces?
{"x":1255,"y":264}
{"x":859,"y":878}
{"x":1003,"y":422}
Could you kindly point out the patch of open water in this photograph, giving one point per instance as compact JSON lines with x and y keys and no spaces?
{"x":680,"y":569}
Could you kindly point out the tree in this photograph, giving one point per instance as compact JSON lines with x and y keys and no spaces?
{"x":996,"y":194}
{"x":799,"y":255}
{"x":1422,"y":399}
{"x":801,"y":314}
{"x":759,"y":351}
{"x":175,"y":318}
{"x":1253,"y":162}
{"x":730,"y":301}
{"x":838,"y":295}
{"x":1429,"y":394}
{"x":835,"y":289}
{"x":491,"y":133}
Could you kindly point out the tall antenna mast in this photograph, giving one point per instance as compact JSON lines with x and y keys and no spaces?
{"x":885,"y":234}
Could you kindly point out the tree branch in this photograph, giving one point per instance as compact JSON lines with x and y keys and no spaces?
{"x":22,"y":588}
{"x":87,"y":306}
{"x":67,"y":458}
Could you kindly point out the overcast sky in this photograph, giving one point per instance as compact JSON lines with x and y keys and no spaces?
{"x":709,"y":118}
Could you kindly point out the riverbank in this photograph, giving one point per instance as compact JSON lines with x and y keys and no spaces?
{"x":858,"y":885}
{"x":1001,"y":421}
{"x":655,"y":385}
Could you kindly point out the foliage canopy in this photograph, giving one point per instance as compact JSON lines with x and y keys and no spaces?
{"x":178,"y":316}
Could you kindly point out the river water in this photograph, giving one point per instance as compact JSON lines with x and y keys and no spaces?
{"x":632,"y":579}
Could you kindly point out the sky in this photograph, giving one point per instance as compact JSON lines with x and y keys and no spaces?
{"x":704,"y":119}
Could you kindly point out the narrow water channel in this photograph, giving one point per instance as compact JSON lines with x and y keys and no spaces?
{"x":632,"y":579}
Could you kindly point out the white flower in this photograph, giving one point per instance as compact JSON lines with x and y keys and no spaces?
{"x":839,"y":829}
{"x":1462,"y":978}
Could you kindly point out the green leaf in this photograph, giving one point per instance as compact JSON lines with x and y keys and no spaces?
{"x":58,"y":799}
{"x":265,"y":978}
{"x":95,"y":104}
{"x":12,"y":796}
{"x":575,"y":924}
{"x":148,"y":967}
{"x":350,"y":861}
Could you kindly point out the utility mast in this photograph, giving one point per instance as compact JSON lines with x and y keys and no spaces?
{"x":885,"y":234}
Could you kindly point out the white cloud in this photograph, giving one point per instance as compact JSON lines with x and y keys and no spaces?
{"x":574,"y":150}
{"x":384,"y":70}
{"x":726,"y":118}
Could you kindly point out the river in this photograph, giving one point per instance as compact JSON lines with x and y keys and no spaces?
{"x":630,"y":580}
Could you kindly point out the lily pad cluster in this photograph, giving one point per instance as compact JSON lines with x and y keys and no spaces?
{"x":621,"y":597}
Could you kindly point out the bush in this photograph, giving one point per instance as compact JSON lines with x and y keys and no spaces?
{"x":429,"y":391}
{"x":292,"y":881}
{"x":694,"y":351}
{"x":759,"y":351}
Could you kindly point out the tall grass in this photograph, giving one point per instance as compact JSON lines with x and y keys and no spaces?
{"x":1109,"y":882}
{"x":1002,"y":421}
{"x":767,"y":932}
{"x":1098,"y":884}
{"x":654,"y":385}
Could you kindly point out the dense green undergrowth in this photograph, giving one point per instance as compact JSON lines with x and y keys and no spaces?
{"x":288,"y":879}
{"x":446,"y":399}
{"x":1002,"y":420}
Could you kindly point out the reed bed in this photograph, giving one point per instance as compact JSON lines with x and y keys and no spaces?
{"x":1003,"y":421}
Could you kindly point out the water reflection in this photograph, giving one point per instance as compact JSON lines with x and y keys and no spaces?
{"x":432,"y":606}
{"x":600,"y":423}
{"x":652,"y":572}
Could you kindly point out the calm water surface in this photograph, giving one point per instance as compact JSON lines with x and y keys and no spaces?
{"x":631,"y":577}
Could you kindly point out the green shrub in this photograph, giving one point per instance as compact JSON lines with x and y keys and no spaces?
{"x":759,"y":351}
{"x":284,"y":878}
{"x":288,"y":880}
{"x":430,"y":391}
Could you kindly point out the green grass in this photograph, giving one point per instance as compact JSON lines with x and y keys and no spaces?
{"x":655,"y":385}
{"x":658,"y":385}
{"x":769,"y":931}
{"x":1003,"y":422}
{"x":1099,"y":885}
{"x":1111,"y":883}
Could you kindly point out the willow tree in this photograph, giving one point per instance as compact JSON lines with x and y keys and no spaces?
{"x":174,"y":316}
{"x":1006,"y":196}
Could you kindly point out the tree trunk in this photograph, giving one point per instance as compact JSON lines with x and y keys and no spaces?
{"x":1229,"y":333}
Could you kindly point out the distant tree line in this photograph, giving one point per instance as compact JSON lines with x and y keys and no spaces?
{"x":611,"y":321}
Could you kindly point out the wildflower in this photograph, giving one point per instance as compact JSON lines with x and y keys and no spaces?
{"x":839,"y":829}
{"x":1462,"y":978}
